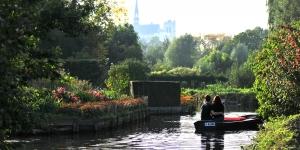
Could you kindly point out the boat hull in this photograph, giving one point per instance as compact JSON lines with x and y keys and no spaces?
{"x":247,"y":124}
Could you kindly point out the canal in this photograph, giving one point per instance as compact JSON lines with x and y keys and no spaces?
{"x":159,"y":132}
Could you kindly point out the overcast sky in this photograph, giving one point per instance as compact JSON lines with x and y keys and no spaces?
{"x":203,"y":16}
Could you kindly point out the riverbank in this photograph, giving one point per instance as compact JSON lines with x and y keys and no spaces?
{"x":279,"y":133}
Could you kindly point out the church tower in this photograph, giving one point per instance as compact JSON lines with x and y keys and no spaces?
{"x":136,"y":14}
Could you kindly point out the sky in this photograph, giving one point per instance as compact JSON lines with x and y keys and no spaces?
{"x":200,"y":17}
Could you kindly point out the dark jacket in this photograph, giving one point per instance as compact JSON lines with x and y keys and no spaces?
{"x":205,"y":111}
{"x":218,"y":108}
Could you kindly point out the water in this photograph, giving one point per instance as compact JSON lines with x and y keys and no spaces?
{"x":159,"y":132}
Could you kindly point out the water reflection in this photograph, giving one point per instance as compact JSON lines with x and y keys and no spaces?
{"x":212,"y":140}
{"x":159,"y":132}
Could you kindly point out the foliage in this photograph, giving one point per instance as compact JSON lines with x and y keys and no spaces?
{"x":188,"y":77}
{"x":188,"y":103}
{"x":120,"y":75}
{"x":180,"y":52}
{"x":215,"y":62}
{"x":100,"y":109}
{"x":253,"y":39}
{"x":218,"y":89}
{"x":239,"y":53}
{"x":91,"y":70}
{"x":283,"y":12}
{"x":278,"y":133}
{"x":32,"y":108}
{"x":23,"y":25}
{"x":110,"y":94}
{"x":241,"y":76}
{"x":178,"y":71}
{"x":61,"y":94}
{"x":245,"y":97}
{"x":3,"y":136}
{"x":155,"y":50}
{"x":123,"y":44}
{"x":276,"y":70}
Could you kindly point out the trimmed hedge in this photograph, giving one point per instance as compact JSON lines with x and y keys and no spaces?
{"x":191,"y":80}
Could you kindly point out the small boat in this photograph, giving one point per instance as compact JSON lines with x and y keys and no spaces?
{"x":231,"y":122}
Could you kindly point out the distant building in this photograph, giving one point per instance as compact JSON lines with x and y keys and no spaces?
{"x":148,"y":31}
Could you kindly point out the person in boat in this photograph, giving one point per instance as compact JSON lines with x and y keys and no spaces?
{"x":206,"y":109}
{"x":217,"y":111}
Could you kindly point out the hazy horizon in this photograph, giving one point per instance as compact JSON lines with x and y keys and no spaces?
{"x":202,"y":16}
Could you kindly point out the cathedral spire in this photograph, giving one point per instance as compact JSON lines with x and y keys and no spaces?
{"x":136,"y":14}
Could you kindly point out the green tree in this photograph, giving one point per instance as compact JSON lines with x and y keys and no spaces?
{"x":239,"y":54}
{"x":23,"y":24}
{"x":241,"y":75}
{"x":180,"y":51}
{"x":282,"y":12}
{"x":276,"y":69}
{"x":123,"y":44}
{"x":120,"y":74}
{"x":250,"y":38}
{"x":155,"y":50}
{"x":215,"y":62}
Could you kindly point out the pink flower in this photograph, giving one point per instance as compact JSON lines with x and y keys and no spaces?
{"x":97,"y":94}
{"x":74,"y":98}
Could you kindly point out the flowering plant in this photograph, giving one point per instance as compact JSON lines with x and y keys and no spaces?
{"x":61,"y":94}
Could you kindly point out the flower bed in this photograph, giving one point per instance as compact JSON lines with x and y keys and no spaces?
{"x":188,"y":103}
{"x":101,"y":108}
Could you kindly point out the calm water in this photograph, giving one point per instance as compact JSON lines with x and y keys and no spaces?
{"x":159,"y":132}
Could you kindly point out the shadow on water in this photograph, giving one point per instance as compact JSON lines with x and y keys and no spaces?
{"x":159,"y":132}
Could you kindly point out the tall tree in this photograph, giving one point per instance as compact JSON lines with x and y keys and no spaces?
{"x":23,"y":24}
{"x":251,"y":38}
{"x":155,"y":50}
{"x":215,"y":62}
{"x":123,"y":44}
{"x":180,"y":51}
{"x":239,"y":53}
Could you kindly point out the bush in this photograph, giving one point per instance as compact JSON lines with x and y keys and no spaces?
{"x":278,"y":133}
{"x":277,"y":72}
{"x":215,"y":62}
{"x":121,"y":74}
{"x":85,"y":96}
{"x":32,"y":109}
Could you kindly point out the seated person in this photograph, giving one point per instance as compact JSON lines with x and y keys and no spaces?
{"x":206,"y":109}
{"x":217,"y":109}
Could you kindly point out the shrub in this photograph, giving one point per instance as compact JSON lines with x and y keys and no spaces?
{"x":33,"y":107}
{"x":85,"y":96}
{"x":277,"y":72}
{"x":278,"y":133}
{"x":121,"y":74}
